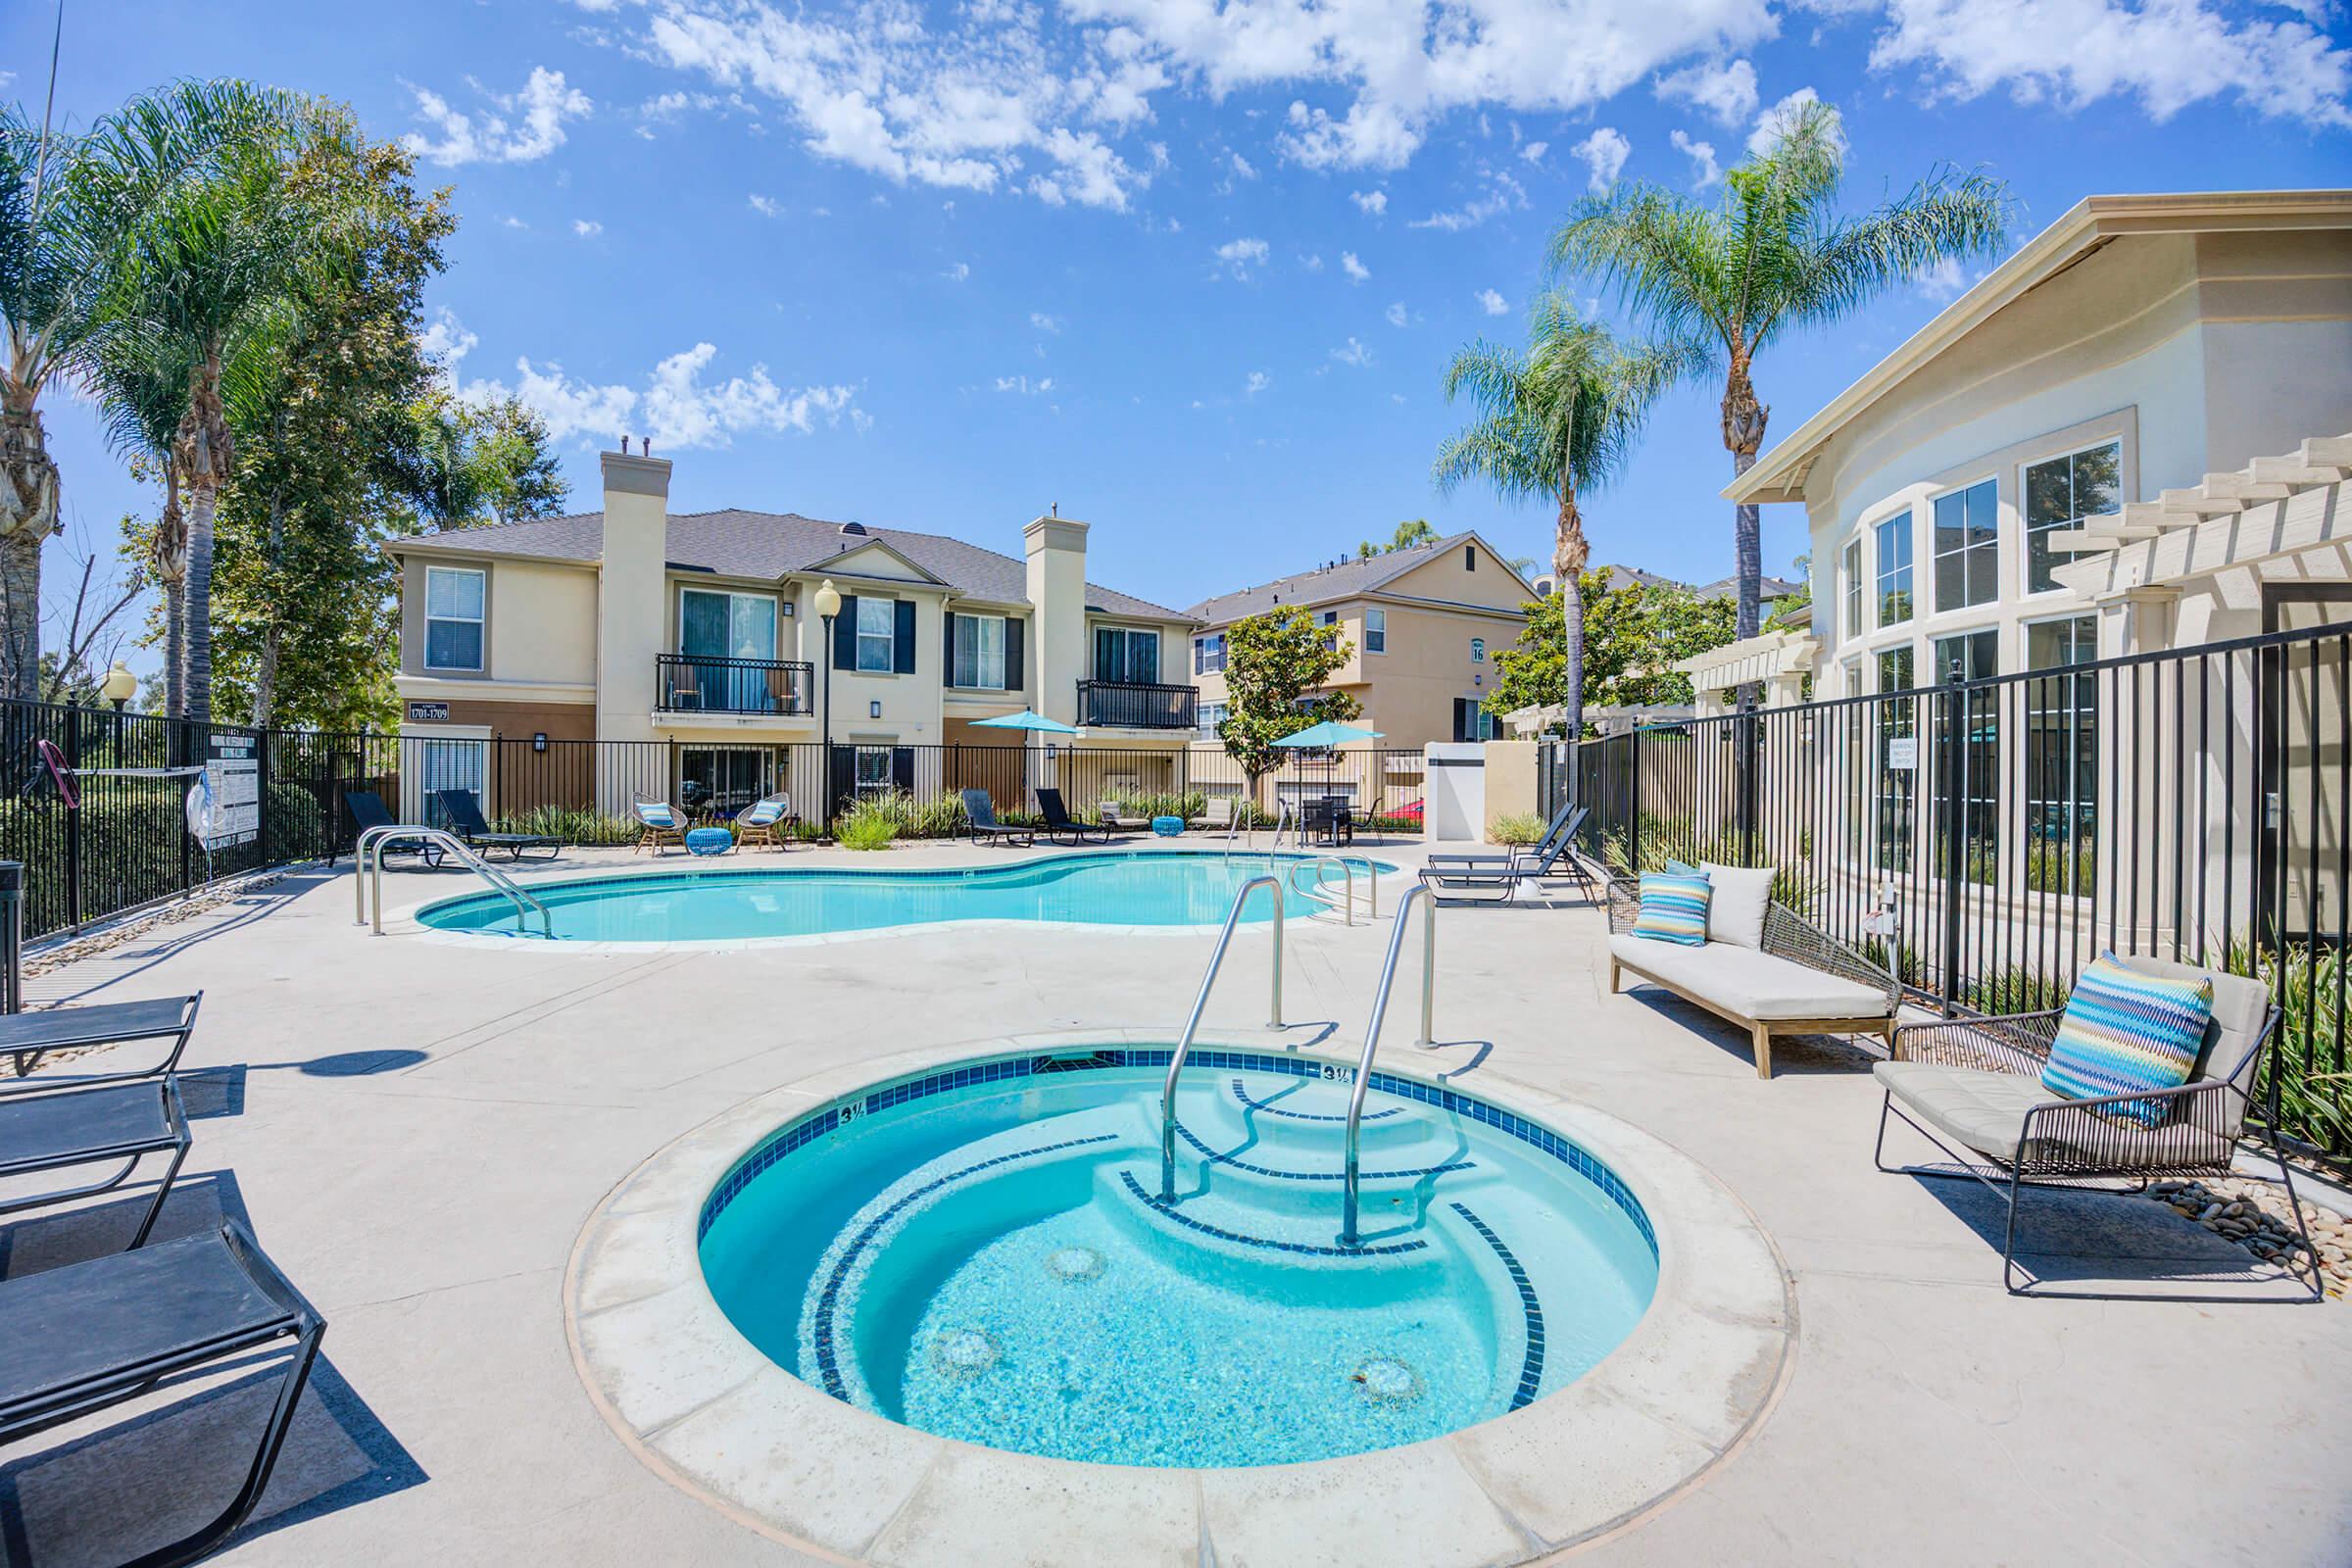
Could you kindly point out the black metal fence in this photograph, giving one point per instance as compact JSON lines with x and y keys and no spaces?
{"x":1989,"y":837}
{"x":127,"y":841}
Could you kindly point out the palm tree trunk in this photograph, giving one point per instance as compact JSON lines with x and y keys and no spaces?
{"x":27,"y":516}
{"x":1569,"y":553}
{"x":176,"y":648}
{"x":197,"y":614}
{"x":1743,"y":419}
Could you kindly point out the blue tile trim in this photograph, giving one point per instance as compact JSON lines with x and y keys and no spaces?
{"x":826,"y":1363}
{"x":794,"y":1134}
{"x":1215,"y":1159}
{"x":1170,"y":1211}
{"x":1531,"y":1366}
{"x":1269,"y":1109}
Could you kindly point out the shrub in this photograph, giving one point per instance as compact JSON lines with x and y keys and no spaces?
{"x":909,"y":817}
{"x":1661,"y":843}
{"x":572,"y":826}
{"x":1188,"y":804}
{"x":1517,"y":828}
{"x":870,"y":824}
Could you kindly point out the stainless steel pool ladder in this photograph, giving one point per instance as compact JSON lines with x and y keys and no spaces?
{"x":1191,"y":1025}
{"x":1380,"y":1008}
{"x":1317,"y":892}
{"x":367,"y":873}
{"x":1245,"y":824}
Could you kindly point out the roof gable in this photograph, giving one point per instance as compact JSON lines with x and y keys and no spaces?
{"x":1350,"y":580}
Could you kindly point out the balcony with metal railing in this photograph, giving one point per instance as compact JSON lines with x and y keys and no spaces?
{"x":702,"y":683}
{"x":1137,"y":704}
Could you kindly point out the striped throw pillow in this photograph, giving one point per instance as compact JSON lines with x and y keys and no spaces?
{"x":1674,"y":909}
{"x":2124,"y":1030}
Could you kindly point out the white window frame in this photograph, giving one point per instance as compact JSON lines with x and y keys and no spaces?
{"x":1937,"y":556}
{"x":1126,"y":636}
{"x":969,"y":644}
{"x":1941,"y":670}
{"x":480,"y":622}
{"x":1208,"y":654}
{"x":888,"y":636}
{"x":1376,"y":630}
{"x":2026,"y":530}
{"x":863,"y":787}
{"x":1210,"y":715}
{"x":774,"y":608}
{"x":1850,"y":629}
{"x":1881,"y":572}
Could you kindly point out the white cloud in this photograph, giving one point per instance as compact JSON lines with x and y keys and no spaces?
{"x":509,"y":221}
{"x":586,"y":227}
{"x":1775,"y":123}
{"x":1258,"y":381}
{"x":1491,"y":303}
{"x":1704,"y":170}
{"x":1356,"y":271}
{"x":1943,"y":281}
{"x":1603,"y":155}
{"x":767,"y":206}
{"x":956,"y":271}
{"x":1502,"y":193}
{"x":1023,"y":385}
{"x":1044,"y":322}
{"x":446,"y":340}
{"x":1725,"y":91}
{"x":1237,"y":256}
{"x":1356,"y":352}
{"x":1241,"y":167}
{"x":1372,"y":203}
{"x":1396,"y":313}
{"x":1534,"y":151}
{"x":2168,"y":54}
{"x":524,"y":126}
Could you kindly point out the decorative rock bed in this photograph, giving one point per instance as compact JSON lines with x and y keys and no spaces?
{"x":2253,"y":1215}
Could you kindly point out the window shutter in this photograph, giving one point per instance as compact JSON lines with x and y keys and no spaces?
{"x":1013,"y":628}
{"x":904,"y":663}
{"x":1461,"y":716}
{"x":902,"y":768}
{"x":843,"y":785}
{"x":947,"y":648}
{"x":845,"y":634}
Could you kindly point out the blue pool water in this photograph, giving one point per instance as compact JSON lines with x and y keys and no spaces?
{"x":1101,"y":887}
{"x":983,"y":1253}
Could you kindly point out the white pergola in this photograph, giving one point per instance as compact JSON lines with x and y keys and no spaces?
{"x":1777,"y":660}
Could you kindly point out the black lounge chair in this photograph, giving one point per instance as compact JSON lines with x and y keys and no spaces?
{"x":96,"y":1334}
{"x":980,"y":820}
{"x":1497,"y":878}
{"x":367,"y":809}
{"x":89,"y":1125}
{"x":465,"y":816}
{"x":1060,"y":824}
{"x":28,"y":1036}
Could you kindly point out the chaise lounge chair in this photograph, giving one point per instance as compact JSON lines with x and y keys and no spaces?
{"x":367,"y":809}
{"x":1497,"y":878}
{"x":96,"y":1334}
{"x":762,"y":820}
{"x":1058,"y":822}
{"x":980,"y":821}
{"x":28,"y":1036}
{"x":1973,"y":1087}
{"x":659,"y":825}
{"x":92,"y":1124}
{"x":465,"y":816}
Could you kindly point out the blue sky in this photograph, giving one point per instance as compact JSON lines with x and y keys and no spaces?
{"x":1191,"y":271}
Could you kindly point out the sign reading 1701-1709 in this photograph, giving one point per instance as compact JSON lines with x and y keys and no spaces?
{"x":233,"y":786}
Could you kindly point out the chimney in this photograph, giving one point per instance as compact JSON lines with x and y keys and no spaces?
{"x":1056,"y":552}
{"x":632,"y":620}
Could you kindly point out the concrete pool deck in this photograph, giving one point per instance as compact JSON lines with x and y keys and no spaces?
{"x":418,"y":1131}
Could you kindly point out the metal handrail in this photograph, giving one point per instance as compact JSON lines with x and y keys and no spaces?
{"x":368,"y":868}
{"x":1244,"y":823}
{"x":1191,"y":1025}
{"x":1380,"y":1008}
{"x":1347,"y":904}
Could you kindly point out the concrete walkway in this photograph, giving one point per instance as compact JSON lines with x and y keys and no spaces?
{"x":416,"y":1131}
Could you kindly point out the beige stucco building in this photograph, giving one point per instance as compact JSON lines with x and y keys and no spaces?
{"x":695,"y":637}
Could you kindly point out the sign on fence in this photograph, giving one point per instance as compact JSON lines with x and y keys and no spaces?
{"x":231,"y":814}
{"x":1903,"y":752}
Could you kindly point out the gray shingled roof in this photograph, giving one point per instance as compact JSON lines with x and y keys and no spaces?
{"x":769,"y":544}
{"x":1345,"y":580}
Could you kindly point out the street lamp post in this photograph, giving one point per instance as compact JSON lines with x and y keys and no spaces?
{"x":829,"y":604}
{"x":121,"y":685}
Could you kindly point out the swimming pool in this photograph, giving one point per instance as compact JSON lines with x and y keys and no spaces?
{"x":983,"y":1252}
{"x":1101,"y":887}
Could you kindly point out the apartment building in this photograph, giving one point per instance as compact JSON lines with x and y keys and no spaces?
{"x":690,"y":645}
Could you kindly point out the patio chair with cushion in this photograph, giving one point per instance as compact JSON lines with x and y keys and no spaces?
{"x":1497,"y":878}
{"x":28,"y":1036}
{"x":92,"y":1125}
{"x":1217,"y":812}
{"x":763,"y":821}
{"x":1062,"y":827}
{"x":96,"y":1334}
{"x":1975,"y":1089}
{"x":367,"y":809}
{"x":980,"y":821}
{"x":465,"y":816}
{"x":659,"y":825}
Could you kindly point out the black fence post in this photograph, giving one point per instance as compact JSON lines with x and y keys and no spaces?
{"x":72,"y":728}
{"x":182,"y":755}
{"x":1746,"y":738}
{"x":1633,"y":806}
{"x":11,"y":936}
{"x":1953,"y":696}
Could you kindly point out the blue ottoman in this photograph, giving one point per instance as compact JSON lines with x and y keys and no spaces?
{"x":709,"y":840}
{"x":1167,"y":827}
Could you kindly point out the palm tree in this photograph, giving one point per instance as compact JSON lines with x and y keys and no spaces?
{"x":1773,"y":255}
{"x":1554,"y":422}
{"x":64,"y":214}
{"x":139,"y":405}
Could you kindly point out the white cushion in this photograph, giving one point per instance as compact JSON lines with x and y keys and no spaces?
{"x":1746,"y":982}
{"x":1736,"y":910}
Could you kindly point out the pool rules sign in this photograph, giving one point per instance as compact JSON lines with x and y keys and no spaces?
{"x":224,"y":810}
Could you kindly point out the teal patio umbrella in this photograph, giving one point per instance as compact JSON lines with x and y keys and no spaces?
{"x":1026,"y":719}
{"x":1324,"y":737}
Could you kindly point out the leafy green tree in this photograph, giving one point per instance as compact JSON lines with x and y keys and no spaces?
{"x":1773,"y":255}
{"x":1788,"y":605}
{"x":1553,"y":422}
{"x":1410,"y":532}
{"x":1275,"y":665}
{"x":477,"y":464}
{"x":1632,"y":637}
